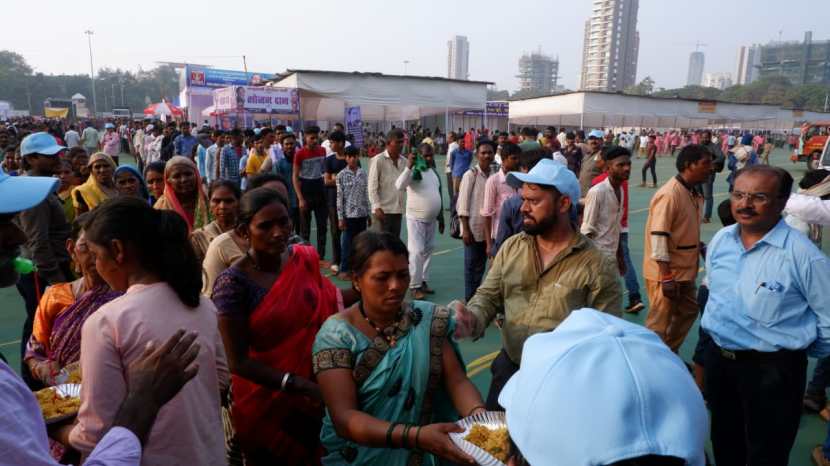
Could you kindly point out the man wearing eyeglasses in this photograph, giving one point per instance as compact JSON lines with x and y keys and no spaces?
{"x":767,"y":310}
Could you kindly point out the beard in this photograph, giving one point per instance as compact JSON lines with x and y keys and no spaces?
{"x":540,"y":227}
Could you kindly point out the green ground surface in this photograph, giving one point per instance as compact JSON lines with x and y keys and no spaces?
{"x":447,"y":278}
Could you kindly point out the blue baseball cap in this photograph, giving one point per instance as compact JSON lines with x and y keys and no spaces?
{"x":23,"y":192}
{"x":549,"y":173}
{"x":596,"y":133}
{"x":615,"y":388}
{"x":109,"y":126}
{"x":40,"y":143}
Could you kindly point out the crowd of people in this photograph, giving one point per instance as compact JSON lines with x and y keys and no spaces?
{"x":186,"y":292}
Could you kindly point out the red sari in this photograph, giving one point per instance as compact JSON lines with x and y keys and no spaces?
{"x":270,"y":424}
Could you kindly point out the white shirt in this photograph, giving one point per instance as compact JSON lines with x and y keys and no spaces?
{"x":72,"y":138}
{"x":558,"y":157}
{"x":809,"y":209}
{"x":327,"y":146}
{"x":562,"y":138}
{"x":423,"y":197}
{"x":602,"y":218}
{"x":453,"y":146}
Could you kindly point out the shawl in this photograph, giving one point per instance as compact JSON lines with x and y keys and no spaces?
{"x":91,"y":192}
{"x":169,"y":201}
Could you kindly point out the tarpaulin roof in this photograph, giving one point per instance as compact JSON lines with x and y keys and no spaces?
{"x":602,"y":109}
{"x":324,"y":95}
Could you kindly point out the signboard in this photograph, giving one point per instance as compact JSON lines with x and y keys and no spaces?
{"x":707,"y":107}
{"x":354,"y":125}
{"x":216,"y":78}
{"x":494,"y":109}
{"x":278,"y":100}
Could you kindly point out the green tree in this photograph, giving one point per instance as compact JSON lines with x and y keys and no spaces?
{"x":644,"y":87}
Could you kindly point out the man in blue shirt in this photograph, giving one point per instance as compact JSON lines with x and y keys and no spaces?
{"x":185,"y":142}
{"x":767,"y":310}
{"x":460,"y":160}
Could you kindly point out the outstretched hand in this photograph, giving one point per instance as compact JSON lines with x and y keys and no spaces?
{"x":465,"y":320}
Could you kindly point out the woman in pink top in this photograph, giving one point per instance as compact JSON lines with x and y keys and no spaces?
{"x":146,"y":253}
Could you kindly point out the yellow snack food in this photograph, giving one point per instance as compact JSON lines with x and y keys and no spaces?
{"x":54,"y":405}
{"x":493,"y":441}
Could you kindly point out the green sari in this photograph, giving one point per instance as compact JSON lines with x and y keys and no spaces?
{"x":403,"y":383}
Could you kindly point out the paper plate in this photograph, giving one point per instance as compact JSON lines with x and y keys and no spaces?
{"x":72,"y":390}
{"x":489,"y":419}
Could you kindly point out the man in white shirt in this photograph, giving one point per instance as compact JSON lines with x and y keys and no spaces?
{"x":424,"y":208}
{"x":327,"y":143}
{"x":91,"y":139}
{"x":72,"y":138}
{"x":601,"y":220}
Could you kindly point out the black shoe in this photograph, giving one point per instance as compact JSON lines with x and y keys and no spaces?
{"x":814,"y":402}
{"x":426,"y":289}
{"x":635,"y":307}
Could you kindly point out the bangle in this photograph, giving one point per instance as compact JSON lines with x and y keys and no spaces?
{"x":470,"y":413}
{"x":285,"y":380}
{"x":417,"y":435}
{"x":389,"y":434}
{"x":404,"y":439}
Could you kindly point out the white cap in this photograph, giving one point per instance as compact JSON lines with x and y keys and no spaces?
{"x":598,"y":390}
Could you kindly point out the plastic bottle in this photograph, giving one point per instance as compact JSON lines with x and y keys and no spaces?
{"x":24,"y":266}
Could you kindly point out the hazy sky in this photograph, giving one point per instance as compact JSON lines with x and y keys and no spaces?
{"x":377,"y":35}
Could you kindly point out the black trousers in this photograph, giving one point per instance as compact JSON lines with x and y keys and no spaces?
{"x":391,"y":223}
{"x":331,"y":200}
{"x":316,"y":204}
{"x":502,"y":369}
{"x":755,"y":404}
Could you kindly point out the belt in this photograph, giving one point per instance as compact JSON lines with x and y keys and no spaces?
{"x":752,"y":355}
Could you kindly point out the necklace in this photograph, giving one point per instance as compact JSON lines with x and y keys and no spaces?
{"x":389,"y":333}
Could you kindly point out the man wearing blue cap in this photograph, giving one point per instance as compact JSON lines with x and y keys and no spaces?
{"x":46,"y":231}
{"x":618,"y":394}
{"x":540,"y":275}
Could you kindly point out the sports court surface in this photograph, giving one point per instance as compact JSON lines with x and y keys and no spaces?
{"x":446,"y":277}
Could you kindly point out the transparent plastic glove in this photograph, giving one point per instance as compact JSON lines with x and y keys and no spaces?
{"x":465,"y":320}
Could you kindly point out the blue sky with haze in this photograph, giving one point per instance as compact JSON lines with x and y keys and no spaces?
{"x":376,"y":35}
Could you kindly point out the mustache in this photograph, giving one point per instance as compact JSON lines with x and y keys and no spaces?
{"x":746,"y":211}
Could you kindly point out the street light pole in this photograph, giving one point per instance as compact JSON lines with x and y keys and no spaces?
{"x":405,"y":64}
{"x":89,"y":33}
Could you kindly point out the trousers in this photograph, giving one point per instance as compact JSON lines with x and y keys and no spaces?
{"x":316,"y":205}
{"x":354,"y":227}
{"x":502,"y":369}
{"x":420,"y":240}
{"x":671,"y":319}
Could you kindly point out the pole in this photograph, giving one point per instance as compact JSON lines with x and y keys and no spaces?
{"x":405,"y":63}
{"x":91,"y":72}
{"x":245,"y":66}
{"x":826,"y":101}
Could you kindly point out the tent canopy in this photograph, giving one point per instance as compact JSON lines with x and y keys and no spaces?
{"x":602,"y":109}
{"x":325,"y":95}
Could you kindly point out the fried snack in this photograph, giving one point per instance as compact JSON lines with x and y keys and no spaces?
{"x":493,"y":441}
{"x":75,"y":376}
{"x":53,"y":405}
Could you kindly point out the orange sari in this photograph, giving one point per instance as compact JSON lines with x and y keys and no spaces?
{"x":275,"y":424}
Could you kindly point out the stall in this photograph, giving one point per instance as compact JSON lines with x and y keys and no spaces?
{"x":242,"y":106}
{"x":603,"y":110}
{"x":197,"y":83}
{"x":326,"y":95}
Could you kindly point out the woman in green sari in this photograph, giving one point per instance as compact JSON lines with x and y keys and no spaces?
{"x":391,"y":377}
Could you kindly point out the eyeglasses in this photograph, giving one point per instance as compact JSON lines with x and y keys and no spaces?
{"x":754,"y":198}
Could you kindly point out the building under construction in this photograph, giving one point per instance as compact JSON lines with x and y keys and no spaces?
{"x":806,"y":62}
{"x":538,"y":73}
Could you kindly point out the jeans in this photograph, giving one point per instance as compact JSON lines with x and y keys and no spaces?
{"x":335,"y":230}
{"x":708,"y":189}
{"x":450,"y":191}
{"x":316,"y":204}
{"x":821,"y":377}
{"x":475,"y":260}
{"x":502,"y":369}
{"x":354,"y":227}
{"x":631,"y":283}
{"x":650,"y":164}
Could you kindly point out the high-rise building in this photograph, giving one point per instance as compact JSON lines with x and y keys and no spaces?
{"x":695,"y":75}
{"x":612,"y":44}
{"x":538,"y":73}
{"x":749,"y":60}
{"x":806,"y":62}
{"x":717,"y":80}
{"x":458,"y":58}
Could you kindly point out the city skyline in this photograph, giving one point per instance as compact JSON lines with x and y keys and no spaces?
{"x":611,"y":46}
{"x":458,"y":58}
{"x":276,"y":43}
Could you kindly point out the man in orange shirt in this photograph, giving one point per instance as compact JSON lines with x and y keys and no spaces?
{"x":672,"y":247}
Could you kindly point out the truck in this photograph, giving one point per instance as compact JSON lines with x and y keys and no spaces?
{"x":811,"y":144}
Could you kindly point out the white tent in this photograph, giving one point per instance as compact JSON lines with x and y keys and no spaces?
{"x":602,"y":109}
{"x":324,"y":95}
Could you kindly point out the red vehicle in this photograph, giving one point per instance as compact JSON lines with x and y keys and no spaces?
{"x":811,"y":143}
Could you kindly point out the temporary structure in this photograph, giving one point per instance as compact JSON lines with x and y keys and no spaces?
{"x":325,"y":95}
{"x":604,"y":109}
{"x":163,"y":108}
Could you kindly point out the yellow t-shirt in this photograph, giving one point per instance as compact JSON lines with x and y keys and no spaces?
{"x":255,"y":162}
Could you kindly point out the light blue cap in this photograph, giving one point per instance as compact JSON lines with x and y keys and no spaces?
{"x":23,"y":192}
{"x":109,"y":126}
{"x":598,"y":390}
{"x":548,"y":173}
{"x":40,"y":143}
{"x":596,"y":133}
{"x":257,"y":131}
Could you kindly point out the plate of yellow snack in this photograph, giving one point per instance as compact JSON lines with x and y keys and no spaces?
{"x":484,"y":438}
{"x":60,"y":402}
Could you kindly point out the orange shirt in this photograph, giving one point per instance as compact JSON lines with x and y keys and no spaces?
{"x":674,"y":212}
